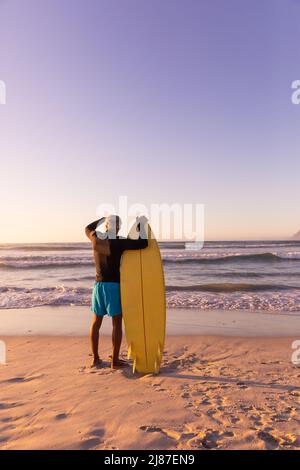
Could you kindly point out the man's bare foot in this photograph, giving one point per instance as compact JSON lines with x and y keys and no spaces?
{"x":97,"y":363}
{"x":119,"y":364}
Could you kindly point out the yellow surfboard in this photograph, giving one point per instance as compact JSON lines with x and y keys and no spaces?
{"x":144,"y":304}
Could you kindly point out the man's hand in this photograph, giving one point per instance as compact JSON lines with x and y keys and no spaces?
{"x":141,"y":220}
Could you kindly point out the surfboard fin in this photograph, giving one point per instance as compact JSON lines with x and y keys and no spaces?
{"x":131,"y":355}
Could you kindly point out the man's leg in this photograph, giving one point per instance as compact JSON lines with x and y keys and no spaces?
{"x":94,"y":338}
{"x":116,"y":341}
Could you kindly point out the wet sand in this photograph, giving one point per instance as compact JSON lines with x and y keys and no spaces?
{"x":75,"y":321}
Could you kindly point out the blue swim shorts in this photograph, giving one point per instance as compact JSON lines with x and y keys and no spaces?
{"x":106,"y":299}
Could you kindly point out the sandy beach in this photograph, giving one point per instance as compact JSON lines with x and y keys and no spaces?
{"x":150,"y":172}
{"x":222,"y":389}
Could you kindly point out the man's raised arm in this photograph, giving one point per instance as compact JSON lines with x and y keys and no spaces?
{"x":90,"y":229}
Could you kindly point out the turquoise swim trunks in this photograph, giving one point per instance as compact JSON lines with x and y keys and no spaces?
{"x":106,"y":299}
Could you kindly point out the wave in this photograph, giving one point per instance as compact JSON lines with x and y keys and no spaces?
{"x":268,"y":302}
{"x":284,"y":301}
{"x":209,"y":287}
{"x":49,"y":289}
{"x":231,"y":287}
{"x":78,"y":278}
{"x":37,"y":258}
{"x":46,"y":265}
{"x":18,"y":297}
{"x":254,"y":244}
{"x":248,"y":274}
{"x":256,"y":257}
{"x":44,"y":262}
{"x":47,"y":247}
{"x":51,"y":262}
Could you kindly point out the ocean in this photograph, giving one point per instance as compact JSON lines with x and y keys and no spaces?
{"x":239,"y":275}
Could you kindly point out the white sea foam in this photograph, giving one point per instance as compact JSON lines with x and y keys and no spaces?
{"x":277,"y":301}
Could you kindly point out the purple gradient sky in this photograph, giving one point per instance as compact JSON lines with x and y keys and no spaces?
{"x":163,"y":101}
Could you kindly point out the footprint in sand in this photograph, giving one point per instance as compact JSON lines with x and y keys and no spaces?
{"x":157,"y":387}
{"x":211,"y":414}
{"x":150,"y":428}
{"x":173,"y":434}
{"x":234,"y":419}
{"x":61,"y":416}
{"x":8,"y":427}
{"x":256,"y":419}
{"x":189,"y":404}
{"x":147,"y":402}
{"x":90,"y":443}
{"x":7,"y":406}
{"x":92,"y":439}
{"x":245,"y":408}
{"x":280,"y":418}
{"x":99,"y":432}
{"x":103,"y":370}
{"x":186,"y":437}
{"x":210,"y":439}
{"x":170,"y":366}
{"x":206,"y":401}
{"x":242,"y":385}
{"x":271,"y":441}
{"x":180,"y":360}
{"x":290,"y":440}
{"x":23,"y":379}
{"x":6,"y":420}
{"x":3,"y":439}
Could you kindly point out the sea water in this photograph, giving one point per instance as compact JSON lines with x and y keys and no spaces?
{"x":248,"y":275}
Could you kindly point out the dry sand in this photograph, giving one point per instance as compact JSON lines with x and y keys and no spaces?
{"x":213,"y":392}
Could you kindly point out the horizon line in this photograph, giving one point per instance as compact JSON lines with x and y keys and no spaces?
{"x":163,"y":241}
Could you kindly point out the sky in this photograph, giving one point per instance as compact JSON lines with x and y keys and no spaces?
{"x":161,"y":101}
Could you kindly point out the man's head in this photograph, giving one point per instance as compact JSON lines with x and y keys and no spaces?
{"x":113,"y":224}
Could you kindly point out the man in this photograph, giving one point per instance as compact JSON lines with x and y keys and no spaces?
{"x":106,"y":299}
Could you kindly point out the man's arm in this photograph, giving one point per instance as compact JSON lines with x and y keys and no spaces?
{"x":138,"y":244}
{"x":142,"y":241}
{"x":90,"y":229}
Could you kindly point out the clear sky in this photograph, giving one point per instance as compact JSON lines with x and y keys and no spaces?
{"x":185,"y":101}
